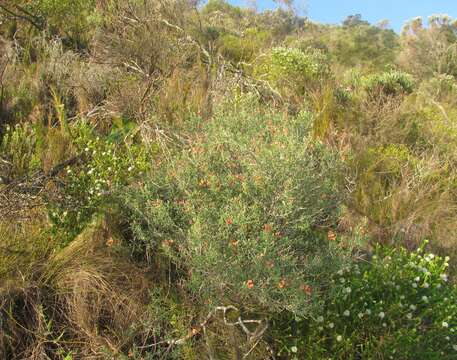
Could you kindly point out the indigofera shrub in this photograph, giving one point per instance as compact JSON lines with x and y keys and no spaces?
{"x":245,"y":210}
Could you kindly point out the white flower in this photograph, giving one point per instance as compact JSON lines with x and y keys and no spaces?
{"x":382,"y":315}
{"x":444,"y":324}
{"x":454,"y":347}
{"x":447,"y":338}
{"x":86,"y":149}
{"x":339,"y":338}
{"x":331,"y":325}
{"x":340,"y":272}
{"x":342,"y":280}
{"x":413,"y":307}
{"x":294,"y":349}
{"x":416,"y":279}
{"x":347,"y":313}
{"x":425,"y":298}
{"x":443,"y":277}
{"x":368,"y":311}
{"x":384,"y":324}
{"x":360,"y":315}
{"x":130,"y":168}
{"x":402,"y":297}
{"x":320,"y":319}
{"x":409,"y":316}
{"x":426,"y":285}
{"x":347,"y":290}
{"x":414,"y":285}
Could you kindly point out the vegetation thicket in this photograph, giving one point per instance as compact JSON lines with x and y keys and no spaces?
{"x":186,"y":180}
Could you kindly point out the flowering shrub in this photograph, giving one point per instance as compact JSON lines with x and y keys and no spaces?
{"x":242,"y":208}
{"x":106,"y":167}
{"x":398,"y":305}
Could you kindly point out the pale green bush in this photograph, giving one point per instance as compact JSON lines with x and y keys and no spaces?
{"x":244,"y":210}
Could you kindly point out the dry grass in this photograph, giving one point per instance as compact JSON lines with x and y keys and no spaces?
{"x":79,"y":300}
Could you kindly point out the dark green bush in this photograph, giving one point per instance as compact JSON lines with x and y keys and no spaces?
{"x":107,"y":166}
{"x":397,"y":305}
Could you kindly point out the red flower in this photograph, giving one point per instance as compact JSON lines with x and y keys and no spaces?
{"x":250,"y":284}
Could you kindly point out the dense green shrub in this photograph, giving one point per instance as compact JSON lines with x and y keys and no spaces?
{"x":294,"y":71}
{"x":397,"y":305}
{"x":254,"y":195}
{"x":107,"y":166}
{"x":388,"y":83}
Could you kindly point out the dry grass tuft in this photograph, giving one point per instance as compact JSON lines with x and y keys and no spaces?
{"x":79,"y":301}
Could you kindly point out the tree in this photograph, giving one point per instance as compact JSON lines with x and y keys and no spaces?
{"x":354,"y":20}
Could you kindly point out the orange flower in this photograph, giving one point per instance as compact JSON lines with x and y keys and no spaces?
{"x":307,"y":289}
{"x":234,"y":243}
{"x":167,"y":243}
{"x":110,"y":242}
{"x":229,"y":221}
{"x":282,"y":284}
{"x":267,"y":228}
{"x":331,"y":235}
{"x":250,"y":284}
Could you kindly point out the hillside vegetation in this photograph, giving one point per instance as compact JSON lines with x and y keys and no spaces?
{"x":201,"y":181}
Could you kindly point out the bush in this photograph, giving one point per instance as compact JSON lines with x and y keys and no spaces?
{"x":18,"y":152}
{"x":108,"y":165}
{"x":389,"y":83}
{"x":398,"y":305}
{"x":244,"y":209}
{"x":294,"y":72}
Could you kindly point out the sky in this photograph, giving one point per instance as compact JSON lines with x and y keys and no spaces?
{"x":397,"y":11}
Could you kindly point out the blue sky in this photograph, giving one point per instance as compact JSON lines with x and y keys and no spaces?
{"x":397,"y":11}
